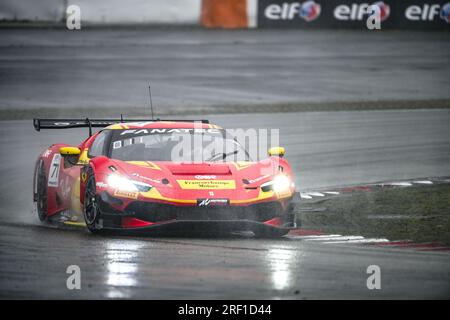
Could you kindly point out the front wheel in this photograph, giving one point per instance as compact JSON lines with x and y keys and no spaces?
{"x":91,"y":208}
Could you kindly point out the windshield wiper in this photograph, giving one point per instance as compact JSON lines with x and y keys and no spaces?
{"x":223,"y":154}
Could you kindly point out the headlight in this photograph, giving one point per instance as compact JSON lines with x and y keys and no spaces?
{"x":281,"y":183}
{"x":124,"y":184}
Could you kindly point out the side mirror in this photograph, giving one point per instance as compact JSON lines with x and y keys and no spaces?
{"x":69,"y":151}
{"x":276,"y":151}
{"x":70,"y":154}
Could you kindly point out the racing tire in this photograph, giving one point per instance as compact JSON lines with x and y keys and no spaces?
{"x":41,"y":192}
{"x":91,"y":209}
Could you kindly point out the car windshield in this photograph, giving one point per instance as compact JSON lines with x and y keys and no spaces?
{"x":178,"y":145}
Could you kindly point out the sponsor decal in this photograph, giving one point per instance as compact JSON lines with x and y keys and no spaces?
{"x":83,"y":176}
{"x":207,"y":184}
{"x":169,"y":130}
{"x":250,"y":181}
{"x":53,"y":174}
{"x":145,"y":178}
{"x":445,"y":12}
{"x":212,"y":202}
{"x":126,"y":194}
{"x":81,"y":123}
{"x":359,"y":11}
{"x":411,"y":14}
{"x":428,"y":12}
{"x":205,"y":177}
{"x":385,"y":10}
{"x":308,"y":11}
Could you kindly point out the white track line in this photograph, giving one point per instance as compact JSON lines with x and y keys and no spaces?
{"x":331,"y":192}
{"x":401,"y":184}
{"x":369,"y":240}
{"x":423,"y":182}
{"x":337,"y":238}
{"x":316,"y":194}
{"x":305,"y":196}
{"x":316,"y":236}
{"x":341,"y":238}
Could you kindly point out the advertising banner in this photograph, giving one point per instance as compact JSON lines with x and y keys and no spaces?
{"x":394,"y":14}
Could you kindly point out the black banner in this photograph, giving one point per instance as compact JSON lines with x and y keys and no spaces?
{"x":395,"y":14}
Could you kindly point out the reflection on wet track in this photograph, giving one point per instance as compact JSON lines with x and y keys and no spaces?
{"x":280,"y":261}
{"x":208,"y":268}
{"x":121,"y":268}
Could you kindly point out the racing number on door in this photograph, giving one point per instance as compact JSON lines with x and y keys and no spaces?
{"x":53,"y":174}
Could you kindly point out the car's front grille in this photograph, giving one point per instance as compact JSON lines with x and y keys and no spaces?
{"x":155,"y":212}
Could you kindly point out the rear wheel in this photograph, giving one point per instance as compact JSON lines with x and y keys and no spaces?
{"x":91,"y":208}
{"x":41,"y":192}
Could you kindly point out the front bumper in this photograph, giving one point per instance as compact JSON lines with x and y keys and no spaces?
{"x":168,"y":218}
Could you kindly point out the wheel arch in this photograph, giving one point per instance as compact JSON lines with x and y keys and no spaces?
{"x":97,"y":165}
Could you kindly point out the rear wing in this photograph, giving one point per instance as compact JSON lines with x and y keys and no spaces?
{"x":39,"y":123}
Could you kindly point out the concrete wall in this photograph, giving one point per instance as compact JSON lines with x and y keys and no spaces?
{"x":105,"y":12}
{"x":33,"y":10}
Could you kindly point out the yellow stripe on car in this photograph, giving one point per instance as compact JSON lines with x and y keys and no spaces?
{"x":145,"y":164}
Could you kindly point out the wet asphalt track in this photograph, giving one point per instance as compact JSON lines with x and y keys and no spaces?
{"x":197,"y":68}
{"x":103,"y":68}
{"x":325,"y":149}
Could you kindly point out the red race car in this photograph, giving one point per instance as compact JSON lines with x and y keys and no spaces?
{"x":124,"y":178}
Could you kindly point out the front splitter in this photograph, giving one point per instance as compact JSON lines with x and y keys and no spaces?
{"x":203,"y":227}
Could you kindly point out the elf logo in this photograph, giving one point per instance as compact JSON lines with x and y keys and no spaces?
{"x":308,"y":11}
{"x":360,"y":11}
{"x":428,"y":12}
{"x":445,"y":12}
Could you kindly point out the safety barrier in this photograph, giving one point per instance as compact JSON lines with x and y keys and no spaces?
{"x":335,"y":14}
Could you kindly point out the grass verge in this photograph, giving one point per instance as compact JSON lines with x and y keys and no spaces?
{"x":419,"y":213}
{"x":9,"y":113}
